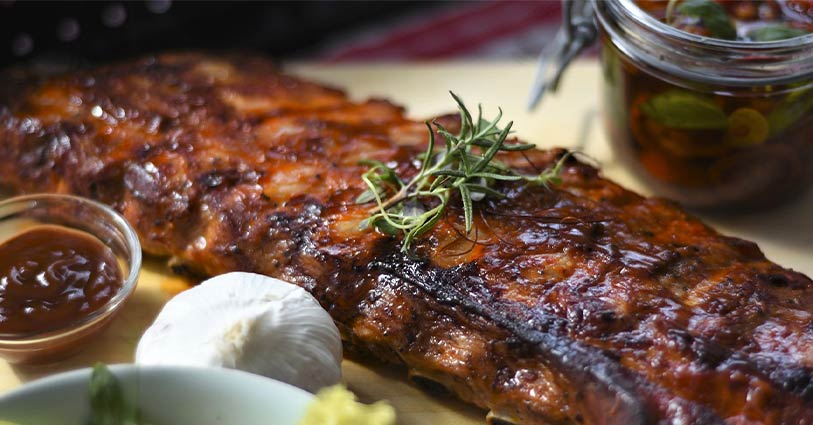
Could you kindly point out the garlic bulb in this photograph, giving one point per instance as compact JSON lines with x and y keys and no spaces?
{"x":249,"y":322}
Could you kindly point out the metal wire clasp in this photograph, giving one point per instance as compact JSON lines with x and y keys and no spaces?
{"x":578,"y":32}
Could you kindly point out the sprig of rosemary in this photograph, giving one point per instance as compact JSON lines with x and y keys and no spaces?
{"x":466,"y":165}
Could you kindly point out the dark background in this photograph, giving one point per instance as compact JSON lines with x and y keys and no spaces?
{"x":94,"y":31}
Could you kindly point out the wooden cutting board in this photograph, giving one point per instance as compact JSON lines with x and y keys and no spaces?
{"x":569,"y":118}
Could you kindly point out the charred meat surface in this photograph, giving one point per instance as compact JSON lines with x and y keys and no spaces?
{"x":585,"y":303}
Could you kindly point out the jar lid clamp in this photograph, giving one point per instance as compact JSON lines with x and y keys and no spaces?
{"x":577,"y":33}
{"x":680,"y":57}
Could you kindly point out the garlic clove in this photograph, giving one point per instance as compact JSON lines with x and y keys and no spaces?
{"x":249,"y":322}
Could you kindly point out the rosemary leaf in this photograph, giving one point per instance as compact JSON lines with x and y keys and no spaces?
{"x":427,"y":157}
{"x":383,"y":225}
{"x":484,"y":143}
{"x":451,"y":173}
{"x":496,"y":176}
{"x":365,"y":197}
{"x":434,"y":216}
{"x":489,"y":155}
{"x":485,"y":190}
{"x":468,"y":209}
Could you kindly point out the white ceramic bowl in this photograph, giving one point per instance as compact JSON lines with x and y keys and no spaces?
{"x":166,"y":395}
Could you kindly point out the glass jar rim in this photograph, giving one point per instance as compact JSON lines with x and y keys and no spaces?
{"x":129,"y":240}
{"x":655,"y":24}
{"x":681,"y":57}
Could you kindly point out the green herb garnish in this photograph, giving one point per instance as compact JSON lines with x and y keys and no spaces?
{"x":775,"y":32}
{"x":713,"y":16}
{"x":684,"y":110}
{"x":466,"y":166}
{"x":107,"y":403}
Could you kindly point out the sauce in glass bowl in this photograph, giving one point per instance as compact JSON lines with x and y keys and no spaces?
{"x":67,"y":267}
{"x":52,"y":275}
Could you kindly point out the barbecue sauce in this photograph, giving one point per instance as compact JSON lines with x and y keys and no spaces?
{"x":52,"y":276}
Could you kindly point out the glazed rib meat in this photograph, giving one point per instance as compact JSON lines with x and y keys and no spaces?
{"x":583,"y":303}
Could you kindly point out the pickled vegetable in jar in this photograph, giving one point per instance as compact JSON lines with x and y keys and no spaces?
{"x":711,"y":103}
{"x":745,"y":20}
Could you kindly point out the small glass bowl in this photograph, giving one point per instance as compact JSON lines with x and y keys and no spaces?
{"x":21,"y":213}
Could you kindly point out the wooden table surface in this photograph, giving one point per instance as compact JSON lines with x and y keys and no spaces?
{"x":570,"y":119}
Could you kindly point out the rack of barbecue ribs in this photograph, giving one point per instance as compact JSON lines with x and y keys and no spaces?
{"x":581,"y":303}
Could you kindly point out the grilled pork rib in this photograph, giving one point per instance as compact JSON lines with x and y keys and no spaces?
{"x":585,"y":303}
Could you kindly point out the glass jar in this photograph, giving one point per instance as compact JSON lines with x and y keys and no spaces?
{"x":713,"y":124}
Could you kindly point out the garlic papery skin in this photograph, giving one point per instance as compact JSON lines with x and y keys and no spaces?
{"x":249,"y":322}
